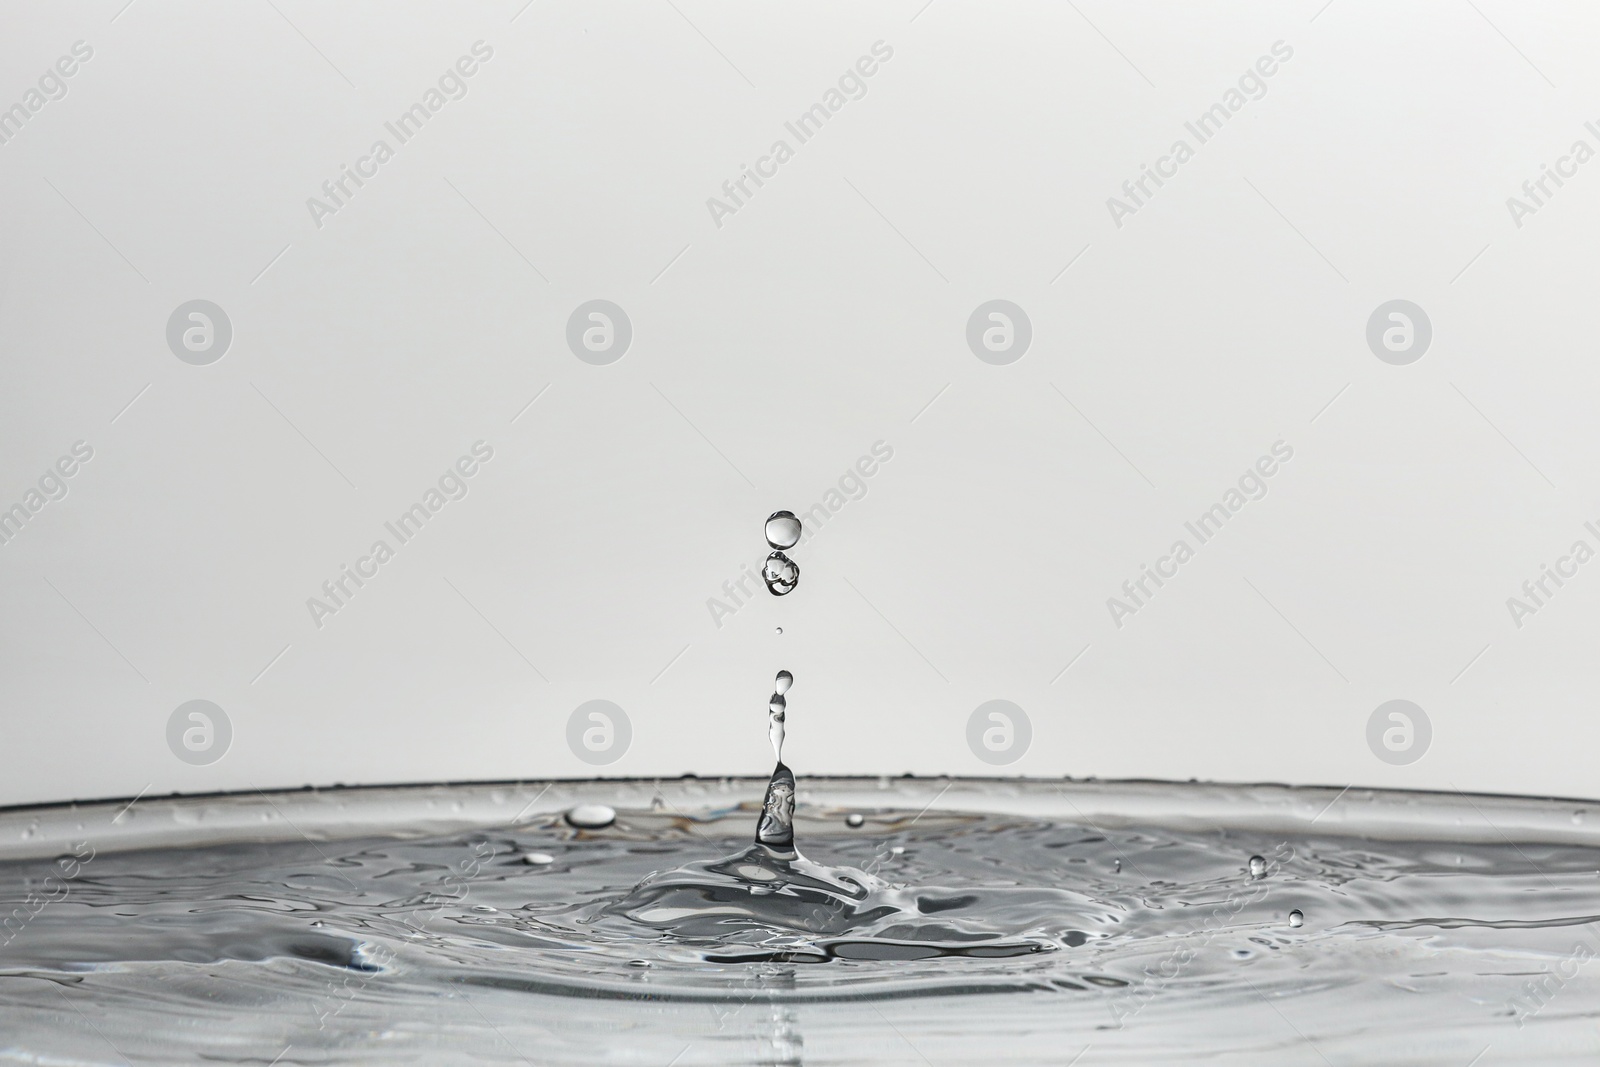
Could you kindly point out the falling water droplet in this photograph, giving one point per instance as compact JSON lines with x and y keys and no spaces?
{"x":855,"y":818}
{"x":1116,"y":866}
{"x":1295,"y":918}
{"x":783,"y":529}
{"x":1258,"y":867}
{"x":591,"y":816}
{"x":781,"y":684}
{"x":780,"y":574}
{"x":780,"y":629}
{"x":537,"y":859}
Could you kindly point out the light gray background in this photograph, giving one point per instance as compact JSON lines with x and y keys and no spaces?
{"x":770,"y":353}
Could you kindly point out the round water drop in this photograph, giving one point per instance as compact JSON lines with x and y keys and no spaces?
{"x":780,"y":574}
{"x":537,"y":859}
{"x":784,"y":680}
{"x":1258,"y":867}
{"x":855,"y":818}
{"x":591,"y":816}
{"x":783,"y":529}
{"x":1295,"y":918}
{"x":1116,"y":866}
{"x":318,"y":922}
{"x":780,"y":629}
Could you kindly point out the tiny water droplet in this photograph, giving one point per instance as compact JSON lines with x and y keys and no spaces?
{"x":897,"y":850}
{"x":1295,"y":918}
{"x":783,"y":529}
{"x":483,"y":908}
{"x":591,"y":816}
{"x":638,"y":963}
{"x":1577,"y":817}
{"x":855,"y":818}
{"x":1116,"y":866}
{"x":780,"y":574}
{"x":780,"y":629}
{"x":537,"y":859}
{"x":318,"y":922}
{"x":1258,"y":867}
{"x":784,"y":680}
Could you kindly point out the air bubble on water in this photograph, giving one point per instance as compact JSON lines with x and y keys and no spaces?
{"x":781,"y":684}
{"x":855,"y":818}
{"x":780,"y":574}
{"x":591,"y":816}
{"x":1258,"y":867}
{"x":783,"y":529}
{"x":1295,"y":918}
{"x":537,"y":859}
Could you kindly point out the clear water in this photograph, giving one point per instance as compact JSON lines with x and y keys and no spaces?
{"x":927,"y":922}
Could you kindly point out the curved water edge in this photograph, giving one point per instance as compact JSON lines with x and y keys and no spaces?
{"x":341,"y":812}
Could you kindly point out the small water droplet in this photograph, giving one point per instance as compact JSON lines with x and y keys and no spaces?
{"x":1116,"y":866}
{"x":318,"y":922}
{"x":1577,"y":817}
{"x":591,"y":816}
{"x":1258,"y":867}
{"x":483,"y":908}
{"x":780,"y":629}
{"x":638,"y":963}
{"x":1295,"y":918}
{"x":897,"y":850}
{"x":855,"y":818}
{"x":782,"y":683}
{"x":537,"y":859}
{"x":783,"y":529}
{"x":780,"y":574}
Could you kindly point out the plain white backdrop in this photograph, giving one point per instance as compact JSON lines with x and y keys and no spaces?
{"x":772,"y":347}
